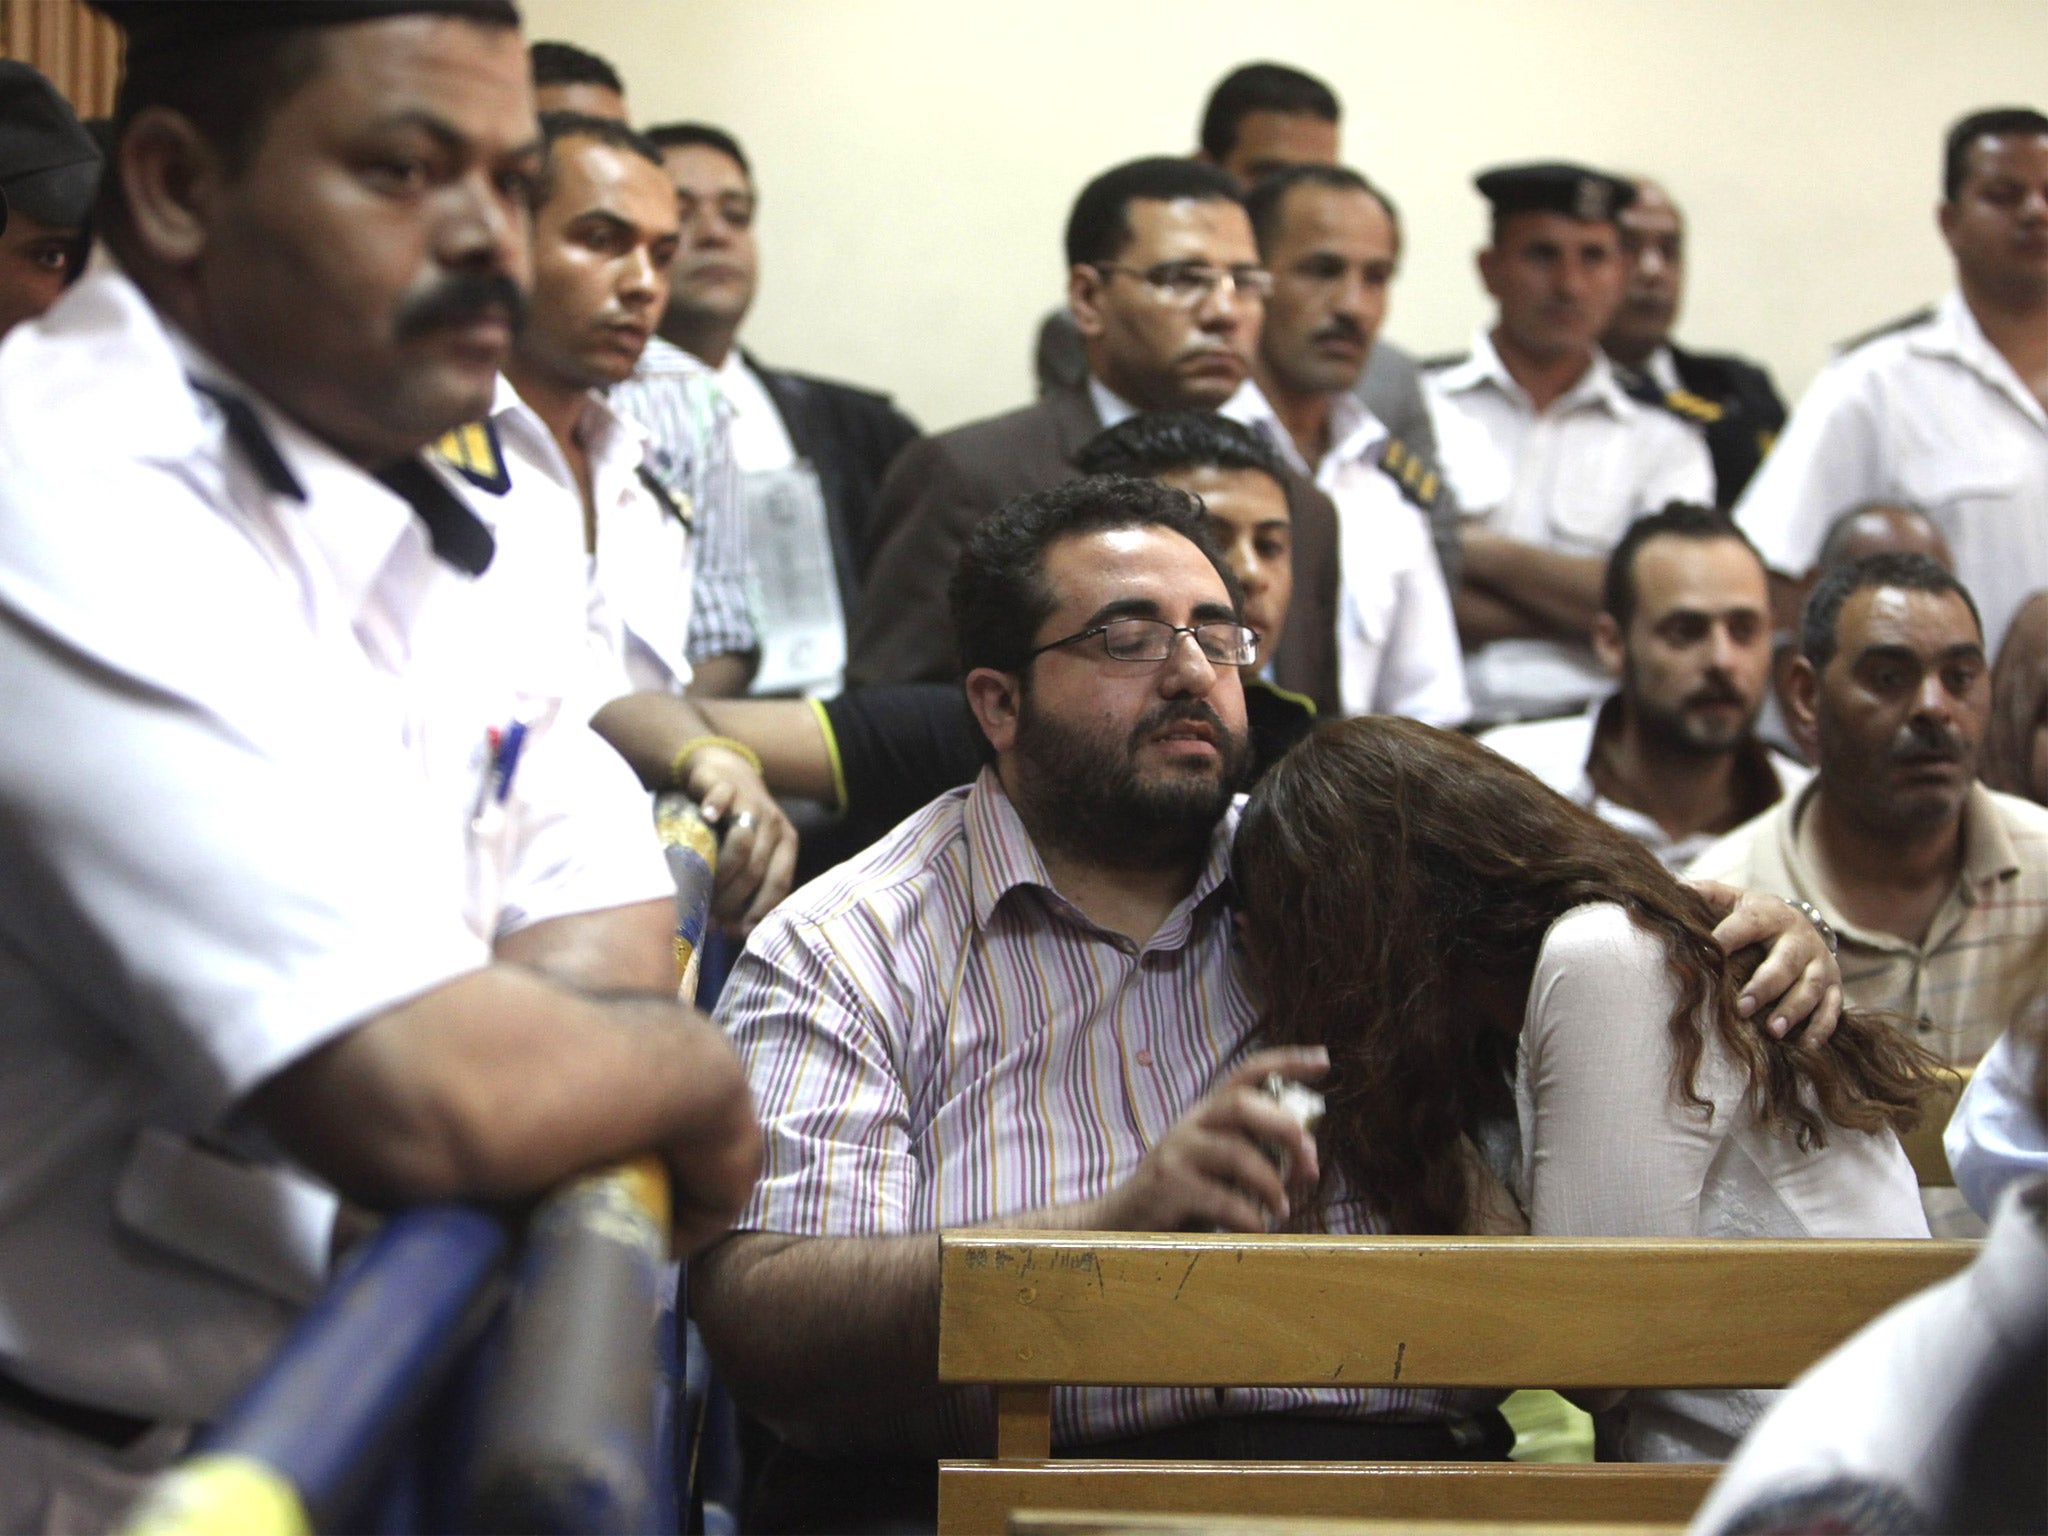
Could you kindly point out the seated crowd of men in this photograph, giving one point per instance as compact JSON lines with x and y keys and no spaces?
{"x":388,"y":501}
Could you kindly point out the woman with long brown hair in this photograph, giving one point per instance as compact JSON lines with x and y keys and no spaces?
{"x":1528,"y":1020}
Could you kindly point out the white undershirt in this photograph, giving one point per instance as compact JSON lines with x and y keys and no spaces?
{"x":759,"y":439}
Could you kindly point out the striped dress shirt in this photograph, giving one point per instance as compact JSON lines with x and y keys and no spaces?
{"x":936,"y":1038}
{"x":689,"y":430}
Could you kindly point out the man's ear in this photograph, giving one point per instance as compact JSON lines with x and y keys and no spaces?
{"x":1084,"y":299}
{"x":1484,"y":262}
{"x":170,"y":176}
{"x":1607,"y":643}
{"x":996,"y":698}
{"x":1799,"y":695}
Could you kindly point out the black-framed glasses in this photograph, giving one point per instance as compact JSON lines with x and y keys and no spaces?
{"x":1190,"y":283}
{"x":1221,"y":643}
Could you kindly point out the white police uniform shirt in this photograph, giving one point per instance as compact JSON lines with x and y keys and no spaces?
{"x":639,"y":579}
{"x":245,"y":804}
{"x":1397,"y":642}
{"x":1569,"y":478}
{"x":1560,"y":753}
{"x":1930,"y":414}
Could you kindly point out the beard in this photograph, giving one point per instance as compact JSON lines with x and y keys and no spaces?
{"x":1083,"y":794}
{"x":1679,"y":732}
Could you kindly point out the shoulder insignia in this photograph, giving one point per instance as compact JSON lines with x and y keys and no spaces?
{"x":475,"y":453}
{"x":1890,"y":327}
{"x":1412,"y":473}
{"x":675,"y":503}
{"x":1692,"y":407}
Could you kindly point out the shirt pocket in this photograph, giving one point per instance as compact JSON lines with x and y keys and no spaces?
{"x":1958,"y":488}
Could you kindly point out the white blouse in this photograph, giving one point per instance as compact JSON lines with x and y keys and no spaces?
{"x":1608,"y":1151}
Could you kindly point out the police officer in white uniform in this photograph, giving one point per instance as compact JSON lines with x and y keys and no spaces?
{"x":1331,"y":243}
{"x":1944,"y":410}
{"x":553,"y":445}
{"x":309,"y":884}
{"x":1551,"y":452}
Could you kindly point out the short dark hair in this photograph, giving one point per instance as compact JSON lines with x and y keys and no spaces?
{"x":1267,"y":199}
{"x":999,"y":593}
{"x":566,"y":64}
{"x":1100,"y":225}
{"x":227,"y":86}
{"x":1262,"y":88}
{"x":1955,"y":154}
{"x":557,"y":126}
{"x":1155,"y":443}
{"x":1676,"y":519}
{"x":1888,"y":568}
{"x":703,"y":135}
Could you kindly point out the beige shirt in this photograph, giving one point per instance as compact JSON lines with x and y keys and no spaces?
{"x":1953,"y":985}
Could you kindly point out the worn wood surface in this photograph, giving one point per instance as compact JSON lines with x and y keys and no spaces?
{"x":1082,"y":1522}
{"x":979,"y":1497}
{"x":1121,"y":1309}
{"x":1923,"y":1142}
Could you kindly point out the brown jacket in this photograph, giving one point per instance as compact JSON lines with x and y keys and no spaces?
{"x":940,"y":487}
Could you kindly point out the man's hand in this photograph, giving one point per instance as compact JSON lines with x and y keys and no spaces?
{"x":2019,"y":700}
{"x":1211,"y":1170}
{"x":713,"y":1164}
{"x":1798,"y":981}
{"x":757,"y":844}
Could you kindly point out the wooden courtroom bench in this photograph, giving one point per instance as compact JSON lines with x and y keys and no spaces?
{"x":1923,"y":1142}
{"x":1095,"y":1522}
{"x":1025,"y":1311}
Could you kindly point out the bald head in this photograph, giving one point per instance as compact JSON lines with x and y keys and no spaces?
{"x":1882,"y":528}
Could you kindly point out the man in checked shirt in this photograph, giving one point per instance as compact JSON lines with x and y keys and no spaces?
{"x":1025,"y":1005}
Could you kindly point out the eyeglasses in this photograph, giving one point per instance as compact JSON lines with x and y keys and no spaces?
{"x":1188,"y":283}
{"x":1222,"y":645}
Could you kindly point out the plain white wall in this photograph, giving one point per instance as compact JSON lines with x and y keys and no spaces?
{"x":917,"y":158}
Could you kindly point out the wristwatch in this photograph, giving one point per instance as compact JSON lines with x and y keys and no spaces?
{"x":1811,"y":913}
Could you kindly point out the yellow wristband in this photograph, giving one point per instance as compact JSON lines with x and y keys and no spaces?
{"x":696,"y":744}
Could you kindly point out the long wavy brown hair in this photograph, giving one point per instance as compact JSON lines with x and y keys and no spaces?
{"x":1396,"y":878}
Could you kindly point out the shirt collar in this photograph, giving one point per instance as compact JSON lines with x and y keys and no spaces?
{"x":664,"y":359}
{"x":1955,"y":334}
{"x":1661,"y":368}
{"x":1596,"y":386}
{"x":614,"y":442}
{"x":1110,"y":407}
{"x":366,"y":534}
{"x":1001,"y":858}
{"x":1989,"y":858}
{"x":1355,"y":433}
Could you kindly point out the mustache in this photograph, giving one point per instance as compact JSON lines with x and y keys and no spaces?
{"x":1172,"y":712}
{"x":1340,"y":328}
{"x":1716,"y":693}
{"x":460,"y":299}
{"x":1928,"y":744}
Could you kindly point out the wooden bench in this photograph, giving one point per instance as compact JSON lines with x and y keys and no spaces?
{"x":1095,"y":1522}
{"x":1923,"y":1142}
{"x":1024,"y":1311}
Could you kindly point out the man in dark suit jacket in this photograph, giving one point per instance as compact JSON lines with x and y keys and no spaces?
{"x":847,"y":435}
{"x":1167,"y":291}
{"x":1731,"y":398}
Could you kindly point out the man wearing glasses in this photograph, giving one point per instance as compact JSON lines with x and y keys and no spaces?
{"x":1167,"y":290}
{"x":1024,"y":1006}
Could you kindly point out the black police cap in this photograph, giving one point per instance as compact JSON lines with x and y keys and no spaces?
{"x":157,"y":25}
{"x":49,"y":164}
{"x":1554,"y":186}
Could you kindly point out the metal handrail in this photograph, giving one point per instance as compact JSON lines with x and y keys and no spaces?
{"x":569,"y":1434}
